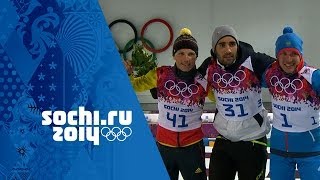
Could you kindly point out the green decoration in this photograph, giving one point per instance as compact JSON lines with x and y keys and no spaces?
{"x":142,"y":61}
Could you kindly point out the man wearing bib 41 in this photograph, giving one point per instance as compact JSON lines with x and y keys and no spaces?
{"x":234,"y":72}
{"x":181,"y":96}
{"x":295,"y":90}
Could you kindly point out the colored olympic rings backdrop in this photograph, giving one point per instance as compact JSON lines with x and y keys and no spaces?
{"x":145,"y":42}
{"x":130,"y":44}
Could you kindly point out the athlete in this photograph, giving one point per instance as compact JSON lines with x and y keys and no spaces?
{"x":181,"y":95}
{"x":295,"y":90}
{"x":234,"y":72}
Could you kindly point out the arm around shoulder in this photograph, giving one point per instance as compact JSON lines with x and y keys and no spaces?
{"x":261,"y":62}
{"x":204,"y":66}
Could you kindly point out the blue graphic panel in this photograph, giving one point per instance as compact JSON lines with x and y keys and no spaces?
{"x":59,"y":57}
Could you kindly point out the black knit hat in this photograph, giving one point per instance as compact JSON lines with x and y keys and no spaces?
{"x":185,"y":41}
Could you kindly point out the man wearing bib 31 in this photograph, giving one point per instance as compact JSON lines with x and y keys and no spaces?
{"x":234,"y":72}
{"x":295,"y":90}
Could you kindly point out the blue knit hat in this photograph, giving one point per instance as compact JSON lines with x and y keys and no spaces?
{"x":289,"y":40}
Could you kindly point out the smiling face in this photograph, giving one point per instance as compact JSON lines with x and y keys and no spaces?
{"x":289,"y":60}
{"x":185,"y":59}
{"x":226,"y":50}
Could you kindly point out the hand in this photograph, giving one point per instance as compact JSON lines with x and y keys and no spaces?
{"x":128,"y":66}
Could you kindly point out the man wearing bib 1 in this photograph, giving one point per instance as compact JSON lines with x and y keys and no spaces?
{"x":295,"y":90}
{"x":234,"y":72}
{"x":181,"y":96}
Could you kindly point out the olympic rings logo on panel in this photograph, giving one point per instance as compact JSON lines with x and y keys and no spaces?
{"x":84,"y":125}
{"x":146,"y":43}
{"x":181,"y":88}
{"x":286,"y":85}
{"x":228,"y":79}
{"x":116,"y":133}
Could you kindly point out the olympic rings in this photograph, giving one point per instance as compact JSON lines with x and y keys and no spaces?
{"x":181,"y":88}
{"x":133,"y":28}
{"x":130,"y":44}
{"x":116,"y":133}
{"x":228,"y":79}
{"x":286,"y":85}
{"x":169,"y":42}
{"x":147,"y":44}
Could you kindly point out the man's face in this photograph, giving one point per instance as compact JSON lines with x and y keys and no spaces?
{"x":185,"y":59}
{"x":226,"y":50}
{"x":289,"y":60}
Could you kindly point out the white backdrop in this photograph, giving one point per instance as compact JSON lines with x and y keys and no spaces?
{"x":257,"y":22}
